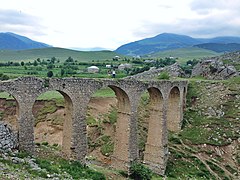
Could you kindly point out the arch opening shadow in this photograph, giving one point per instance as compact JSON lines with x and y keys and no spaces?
{"x":53,"y":120}
{"x":174,"y":111}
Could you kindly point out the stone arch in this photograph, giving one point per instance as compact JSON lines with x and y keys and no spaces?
{"x":174,"y":110}
{"x":154,"y":155}
{"x":65,"y":120}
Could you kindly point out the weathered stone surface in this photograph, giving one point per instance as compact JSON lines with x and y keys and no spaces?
{"x":77,"y":92}
{"x":214,"y":68}
{"x":8,"y":139}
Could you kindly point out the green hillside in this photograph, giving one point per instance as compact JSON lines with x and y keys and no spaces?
{"x":184,"y":54}
{"x":59,"y":53}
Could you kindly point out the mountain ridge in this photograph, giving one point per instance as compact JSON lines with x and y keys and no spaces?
{"x":12,"y":41}
{"x":170,"y":41}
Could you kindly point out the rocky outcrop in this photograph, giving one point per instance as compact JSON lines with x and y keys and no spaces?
{"x":173,"y":70}
{"x":8,"y":138}
{"x":221,"y":67}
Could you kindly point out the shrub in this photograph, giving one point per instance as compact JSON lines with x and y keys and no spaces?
{"x":107,"y":146}
{"x":164,"y":75}
{"x":45,"y":143}
{"x":139,"y":171}
{"x":22,"y":154}
{"x":4,"y":77}
{"x":78,"y":171}
{"x":50,"y":74}
{"x":112,"y":116}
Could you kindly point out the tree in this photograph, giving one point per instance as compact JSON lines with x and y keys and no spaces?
{"x":22,"y":63}
{"x":50,"y":74}
{"x":62,"y":72}
{"x":50,"y":66}
{"x":53,"y":59}
{"x":69,"y":59}
{"x":35,"y":63}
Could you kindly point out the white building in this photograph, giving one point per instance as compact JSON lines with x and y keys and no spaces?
{"x":93,"y":69}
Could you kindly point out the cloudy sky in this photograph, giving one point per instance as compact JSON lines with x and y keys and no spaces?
{"x":111,"y":23}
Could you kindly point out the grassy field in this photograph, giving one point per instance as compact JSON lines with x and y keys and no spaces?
{"x":77,"y":67}
{"x":185,"y":54}
{"x":81,"y":60}
{"x":59,"y":53}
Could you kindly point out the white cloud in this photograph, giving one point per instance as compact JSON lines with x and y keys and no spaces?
{"x":111,"y":23}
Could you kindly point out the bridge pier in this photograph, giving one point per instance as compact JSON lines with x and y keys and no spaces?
{"x":25,"y":125}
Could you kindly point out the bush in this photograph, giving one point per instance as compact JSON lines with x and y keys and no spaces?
{"x":107,"y":146}
{"x":140,"y":172}
{"x":164,"y":75}
{"x":45,"y":143}
{"x":112,"y":116}
{"x":3,"y":77}
{"x":50,"y":74}
{"x":78,"y":171}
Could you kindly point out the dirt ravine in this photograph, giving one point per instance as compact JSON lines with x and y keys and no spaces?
{"x":50,"y":129}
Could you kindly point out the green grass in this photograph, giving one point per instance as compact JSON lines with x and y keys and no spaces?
{"x":50,"y":95}
{"x":104,"y":92}
{"x":5,"y":95}
{"x":59,"y":53}
{"x":185,"y":54}
{"x":50,"y":166}
{"x":91,"y":121}
{"x":198,"y":130}
{"x":76,"y":68}
{"x":184,"y":166}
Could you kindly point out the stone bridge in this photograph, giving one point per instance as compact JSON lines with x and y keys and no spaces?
{"x":167,"y":100}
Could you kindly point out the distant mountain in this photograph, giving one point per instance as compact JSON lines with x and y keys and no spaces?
{"x":168,"y":41}
{"x":219,"y":47}
{"x":11,"y":41}
{"x":224,"y":40}
{"x":161,"y":42}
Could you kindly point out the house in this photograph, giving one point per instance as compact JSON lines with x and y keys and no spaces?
{"x":108,"y":66}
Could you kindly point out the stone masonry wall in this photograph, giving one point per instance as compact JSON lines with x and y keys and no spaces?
{"x":77,"y":93}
